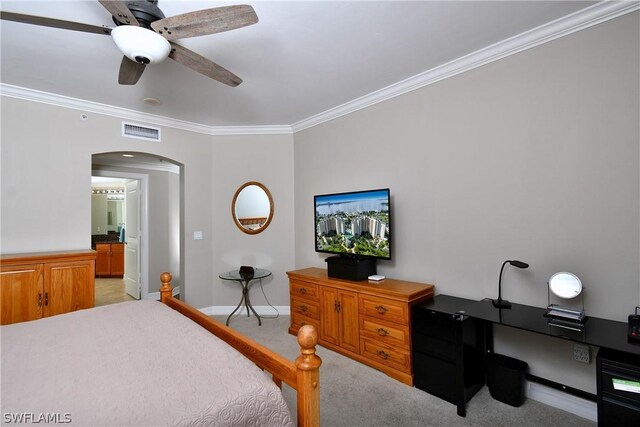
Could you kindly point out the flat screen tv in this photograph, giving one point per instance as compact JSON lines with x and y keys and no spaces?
{"x":355,"y":224}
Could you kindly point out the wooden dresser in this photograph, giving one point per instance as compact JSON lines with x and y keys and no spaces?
{"x":36,"y":285}
{"x":366,"y":321}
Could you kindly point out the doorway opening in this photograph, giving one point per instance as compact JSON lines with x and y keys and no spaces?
{"x":148,"y":228}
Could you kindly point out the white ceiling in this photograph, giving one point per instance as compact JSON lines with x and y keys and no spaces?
{"x":302,"y":58}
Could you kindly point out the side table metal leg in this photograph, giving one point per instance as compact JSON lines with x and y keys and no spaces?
{"x":236,"y":309}
{"x":249,"y":306}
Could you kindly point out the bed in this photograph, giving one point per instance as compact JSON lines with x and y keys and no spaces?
{"x":151,"y":363}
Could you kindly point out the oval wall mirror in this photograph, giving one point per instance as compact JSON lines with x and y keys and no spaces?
{"x":565,"y":285}
{"x":252,"y":207}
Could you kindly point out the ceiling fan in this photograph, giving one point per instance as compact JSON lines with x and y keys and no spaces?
{"x":146,"y":36}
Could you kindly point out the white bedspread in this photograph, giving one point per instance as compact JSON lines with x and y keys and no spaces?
{"x":134,"y":363}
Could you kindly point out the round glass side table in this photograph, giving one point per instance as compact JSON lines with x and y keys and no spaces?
{"x":234,"y":275}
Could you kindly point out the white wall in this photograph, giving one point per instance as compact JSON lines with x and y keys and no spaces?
{"x":534,"y":157}
{"x":99,"y":213}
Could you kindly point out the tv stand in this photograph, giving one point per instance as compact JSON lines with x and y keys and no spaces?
{"x":352,"y":268}
{"x":368,"y":322}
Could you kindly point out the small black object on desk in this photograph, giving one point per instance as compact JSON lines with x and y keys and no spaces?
{"x":244,"y":276}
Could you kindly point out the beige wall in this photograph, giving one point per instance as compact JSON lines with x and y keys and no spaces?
{"x":46,"y":179}
{"x":534,"y":157}
{"x":267,"y":159}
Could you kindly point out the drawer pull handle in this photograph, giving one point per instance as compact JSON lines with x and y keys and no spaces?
{"x":303,"y":291}
{"x":383,"y":354}
{"x":382,"y":332}
{"x":381,"y":309}
{"x":304,"y":308}
{"x":46,"y":298}
{"x":40,"y":299}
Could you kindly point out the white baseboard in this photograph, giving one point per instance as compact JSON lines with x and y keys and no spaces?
{"x":565,"y":401}
{"x":156,"y":295}
{"x":262,"y":310}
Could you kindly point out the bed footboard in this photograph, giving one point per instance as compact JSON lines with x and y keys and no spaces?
{"x":303,"y":375}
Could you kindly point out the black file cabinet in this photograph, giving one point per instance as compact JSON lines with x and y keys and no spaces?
{"x":618,"y":384}
{"x":448,"y":350}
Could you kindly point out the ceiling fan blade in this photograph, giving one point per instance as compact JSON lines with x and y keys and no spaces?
{"x":203,"y":22}
{"x":120,"y":11}
{"x":202,"y":65}
{"x":54,"y":23}
{"x":130,"y":71}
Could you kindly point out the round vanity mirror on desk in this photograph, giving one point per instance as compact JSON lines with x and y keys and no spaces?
{"x":565,"y":285}
{"x":252,"y":207}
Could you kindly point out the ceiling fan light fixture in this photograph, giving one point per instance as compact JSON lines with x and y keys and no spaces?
{"x":141,"y":44}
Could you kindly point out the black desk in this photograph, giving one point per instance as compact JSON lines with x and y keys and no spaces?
{"x":617,"y":359}
{"x":597,"y":332}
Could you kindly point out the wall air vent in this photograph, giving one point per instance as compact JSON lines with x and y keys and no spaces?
{"x":133,"y":130}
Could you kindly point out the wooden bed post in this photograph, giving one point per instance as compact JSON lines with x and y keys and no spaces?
{"x":165,"y":289}
{"x":308,"y":366}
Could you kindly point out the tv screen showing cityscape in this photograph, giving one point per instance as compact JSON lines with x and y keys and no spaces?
{"x":355,"y":223}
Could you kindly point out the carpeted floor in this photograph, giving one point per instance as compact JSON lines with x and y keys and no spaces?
{"x":352,"y":394}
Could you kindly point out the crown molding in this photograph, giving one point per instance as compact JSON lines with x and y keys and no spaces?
{"x":566,"y":25}
{"x":561,"y":27}
{"x":124,"y":113}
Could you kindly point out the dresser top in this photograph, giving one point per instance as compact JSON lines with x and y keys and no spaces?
{"x":36,"y":257}
{"x":399,"y":289}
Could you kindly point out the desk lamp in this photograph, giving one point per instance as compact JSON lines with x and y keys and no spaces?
{"x":500,"y":303}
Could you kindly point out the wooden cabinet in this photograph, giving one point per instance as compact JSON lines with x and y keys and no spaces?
{"x":367,"y":321}
{"x":339,"y":318}
{"x":45,"y":284}
{"x":110,"y":259}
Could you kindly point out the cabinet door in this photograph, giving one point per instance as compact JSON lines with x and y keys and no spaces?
{"x":21,"y":295}
{"x":329,"y":315}
{"x":339,"y":318}
{"x":349,"y":331}
{"x":69,"y":286}
{"x":103,"y":259}
{"x":117,"y":259}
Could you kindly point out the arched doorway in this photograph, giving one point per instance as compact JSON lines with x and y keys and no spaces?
{"x":158,"y":243}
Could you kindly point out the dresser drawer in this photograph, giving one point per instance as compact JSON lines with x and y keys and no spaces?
{"x":378,"y":352}
{"x":389,"y":333}
{"x":305,"y":308}
{"x":298,"y":321}
{"x":303,"y":290}
{"x":382,"y":308}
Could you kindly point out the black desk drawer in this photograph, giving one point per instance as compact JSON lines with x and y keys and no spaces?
{"x":609,"y":376}
{"x":434,"y":376}
{"x":445,"y":350}
{"x":438,"y":325}
{"x":617,"y":407}
{"x":616,"y":413}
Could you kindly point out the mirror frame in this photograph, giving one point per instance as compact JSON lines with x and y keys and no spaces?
{"x":565,"y":296}
{"x":233,"y":208}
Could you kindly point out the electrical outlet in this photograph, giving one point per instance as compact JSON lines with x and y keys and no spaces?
{"x":582,"y":353}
